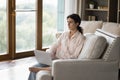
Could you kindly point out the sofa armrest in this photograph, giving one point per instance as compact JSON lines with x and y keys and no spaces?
{"x":85,"y":70}
{"x":43,"y":75}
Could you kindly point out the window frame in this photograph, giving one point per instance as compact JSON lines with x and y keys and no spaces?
{"x":11,"y":51}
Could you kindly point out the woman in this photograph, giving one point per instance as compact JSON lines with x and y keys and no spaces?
{"x":68,"y":46}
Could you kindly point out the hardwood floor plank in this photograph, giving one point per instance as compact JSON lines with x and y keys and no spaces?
{"x":16,"y":69}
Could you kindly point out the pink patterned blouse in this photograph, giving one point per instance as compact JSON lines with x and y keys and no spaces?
{"x":67,"y":48}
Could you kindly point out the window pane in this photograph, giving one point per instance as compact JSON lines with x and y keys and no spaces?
{"x":3,"y":27}
{"x":25,"y":4}
{"x":25,"y":31}
{"x":51,"y":21}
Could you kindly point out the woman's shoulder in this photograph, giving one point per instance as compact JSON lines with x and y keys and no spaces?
{"x":81,"y":36}
{"x":65,"y":33}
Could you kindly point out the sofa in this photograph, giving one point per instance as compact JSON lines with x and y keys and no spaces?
{"x":91,"y":26}
{"x":98,"y":60}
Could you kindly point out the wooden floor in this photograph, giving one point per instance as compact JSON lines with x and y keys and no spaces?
{"x":16,"y":69}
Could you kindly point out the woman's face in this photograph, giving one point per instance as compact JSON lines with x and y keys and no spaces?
{"x":71,"y":24}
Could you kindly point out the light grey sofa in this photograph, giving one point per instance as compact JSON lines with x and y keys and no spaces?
{"x":104,"y":68}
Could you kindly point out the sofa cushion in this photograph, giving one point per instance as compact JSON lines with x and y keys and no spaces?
{"x":113,"y":28}
{"x":93,"y":47}
{"x":91,"y":26}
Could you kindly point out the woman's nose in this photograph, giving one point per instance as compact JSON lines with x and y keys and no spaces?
{"x":68,"y":24}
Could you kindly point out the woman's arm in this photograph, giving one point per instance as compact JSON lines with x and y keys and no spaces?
{"x":36,"y":69}
{"x":52,"y":50}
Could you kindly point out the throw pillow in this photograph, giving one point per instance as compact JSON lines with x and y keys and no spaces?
{"x":93,"y":47}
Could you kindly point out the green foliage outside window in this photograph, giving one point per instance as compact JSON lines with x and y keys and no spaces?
{"x":3,"y":29}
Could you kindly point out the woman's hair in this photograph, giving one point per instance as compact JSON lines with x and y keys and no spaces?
{"x":77,"y":19}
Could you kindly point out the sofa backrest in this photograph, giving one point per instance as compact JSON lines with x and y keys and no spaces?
{"x":111,"y":27}
{"x":112,"y":52}
{"x":101,"y":45}
{"x":91,"y":26}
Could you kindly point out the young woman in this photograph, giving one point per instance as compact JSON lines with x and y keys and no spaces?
{"x":68,"y":45}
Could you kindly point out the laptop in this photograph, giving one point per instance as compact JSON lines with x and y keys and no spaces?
{"x":43,"y":57}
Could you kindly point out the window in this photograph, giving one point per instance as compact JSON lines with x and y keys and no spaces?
{"x":18,"y":23}
{"x":25,"y":25}
{"x":53,"y":20}
{"x":3,"y":28}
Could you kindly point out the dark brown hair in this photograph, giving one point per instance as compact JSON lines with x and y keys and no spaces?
{"x":77,"y":19}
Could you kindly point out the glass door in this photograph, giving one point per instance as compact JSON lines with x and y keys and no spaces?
{"x":25,"y":26}
{"x":3,"y":29}
{"x":20,"y":27}
{"x":52,"y":21}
